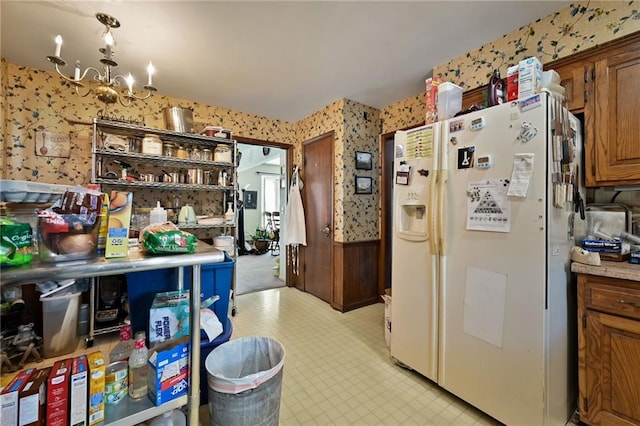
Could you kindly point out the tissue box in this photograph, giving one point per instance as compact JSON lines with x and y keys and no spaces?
{"x":168,"y":375}
{"x":168,"y":316}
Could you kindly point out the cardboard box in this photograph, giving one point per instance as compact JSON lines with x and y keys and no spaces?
{"x":97,"y":377}
{"x":512,"y":83}
{"x":33,"y":398}
{"x":168,"y":317}
{"x":431,"y":100}
{"x":120,"y":206}
{"x":78,"y":391}
{"x":10,"y":397}
{"x":58,"y":394}
{"x":168,"y":375}
{"x":529,"y":77}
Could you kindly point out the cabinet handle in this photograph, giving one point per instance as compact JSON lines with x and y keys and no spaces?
{"x":627,"y":302}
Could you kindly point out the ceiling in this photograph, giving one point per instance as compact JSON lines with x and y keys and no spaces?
{"x":281,"y":60}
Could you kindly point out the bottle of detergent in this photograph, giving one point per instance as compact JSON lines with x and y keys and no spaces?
{"x":496,"y":89}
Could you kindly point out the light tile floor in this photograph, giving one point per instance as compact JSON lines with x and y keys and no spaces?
{"x":337,"y":369}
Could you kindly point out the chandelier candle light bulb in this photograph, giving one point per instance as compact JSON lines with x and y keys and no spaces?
{"x":58,"y":41}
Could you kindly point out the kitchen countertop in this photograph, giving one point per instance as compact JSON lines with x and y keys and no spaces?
{"x":622,"y":270}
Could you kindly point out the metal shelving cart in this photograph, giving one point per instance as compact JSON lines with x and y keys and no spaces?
{"x":102,"y":156}
{"x":130,"y":412}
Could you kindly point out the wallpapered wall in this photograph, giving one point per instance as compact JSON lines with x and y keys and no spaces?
{"x":575,"y":28}
{"x":35,"y":99}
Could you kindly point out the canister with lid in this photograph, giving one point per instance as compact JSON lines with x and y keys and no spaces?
{"x":222,"y":154}
{"x":151,"y":144}
{"x":207,"y":154}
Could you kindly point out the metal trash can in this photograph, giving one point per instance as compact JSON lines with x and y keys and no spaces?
{"x":244,"y":377}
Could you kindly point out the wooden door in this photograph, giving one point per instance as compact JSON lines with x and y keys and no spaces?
{"x":317,"y":196}
{"x":573,"y":77}
{"x":617,"y":108}
{"x":612,"y":372}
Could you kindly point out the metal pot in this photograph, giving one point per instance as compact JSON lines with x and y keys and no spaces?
{"x":178,"y":119}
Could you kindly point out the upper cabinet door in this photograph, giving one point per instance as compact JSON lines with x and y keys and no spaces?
{"x":572,"y":78}
{"x":617,"y":118}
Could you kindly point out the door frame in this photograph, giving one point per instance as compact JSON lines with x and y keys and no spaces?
{"x":287,"y":169}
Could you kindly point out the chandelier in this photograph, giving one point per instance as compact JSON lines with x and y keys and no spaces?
{"x":110,"y":88}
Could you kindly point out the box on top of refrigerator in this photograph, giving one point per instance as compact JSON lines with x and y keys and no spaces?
{"x":529,"y":77}
{"x":33,"y":398}
{"x":431,"y":99}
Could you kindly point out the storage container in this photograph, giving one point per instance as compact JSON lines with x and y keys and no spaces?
{"x":449,"y":100}
{"x":60,"y":325}
{"x":215,"y":279}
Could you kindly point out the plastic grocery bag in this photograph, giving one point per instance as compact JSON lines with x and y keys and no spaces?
{"x":243,"y":364}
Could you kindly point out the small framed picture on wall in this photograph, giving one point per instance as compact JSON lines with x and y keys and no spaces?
{"x":364,"y":160}
{"x":250,"y":199}
{"x":364,"y":185}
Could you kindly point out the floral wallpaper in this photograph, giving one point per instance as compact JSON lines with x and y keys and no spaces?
{"x":574,"y":28}
{"x":37,"y":100}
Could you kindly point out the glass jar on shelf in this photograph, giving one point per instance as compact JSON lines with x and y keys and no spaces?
{"x":181,"y":152}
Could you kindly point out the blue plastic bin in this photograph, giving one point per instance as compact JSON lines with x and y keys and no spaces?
{"x":142,"y":287}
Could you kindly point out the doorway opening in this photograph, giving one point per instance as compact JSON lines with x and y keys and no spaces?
{"x":262,"y":180}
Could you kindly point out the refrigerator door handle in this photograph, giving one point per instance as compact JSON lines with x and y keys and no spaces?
{"x":433,"y":236}
{"x":442,"y":178}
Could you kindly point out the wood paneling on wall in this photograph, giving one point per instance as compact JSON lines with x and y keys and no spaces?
{"x":355,"y":281}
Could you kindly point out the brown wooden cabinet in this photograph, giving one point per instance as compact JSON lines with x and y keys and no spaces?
{"x":603,"y":83}
{"x":574,"y":78}
{"x":609,"y":347}
{"x":617,"y":112}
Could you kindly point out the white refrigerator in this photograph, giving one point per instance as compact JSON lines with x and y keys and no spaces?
{"x":483,"y":304}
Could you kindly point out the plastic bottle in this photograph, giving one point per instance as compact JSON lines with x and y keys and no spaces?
{"x":158,"y":214}
{"x":123,"y":349}
{"x":170,"y":418}
{"x":229,"y":215}
{"x":496,"y":89}
{"x":138,"y":367}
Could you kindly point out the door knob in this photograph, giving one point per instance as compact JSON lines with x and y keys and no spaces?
{"x":326,"y":230}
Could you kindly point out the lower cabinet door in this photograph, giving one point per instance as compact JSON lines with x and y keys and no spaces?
{"x":612,"y":388}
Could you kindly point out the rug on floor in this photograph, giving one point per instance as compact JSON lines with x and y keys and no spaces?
{"x":256,"y":273}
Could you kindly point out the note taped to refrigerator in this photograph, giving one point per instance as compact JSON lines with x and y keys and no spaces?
{"x":488,"y":208}
{"x":521,"y":175}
